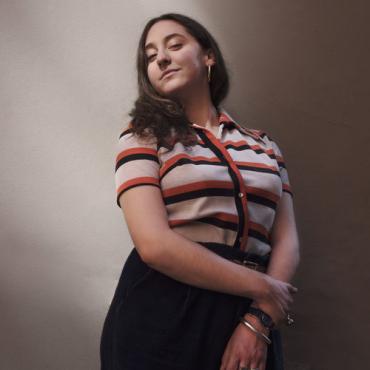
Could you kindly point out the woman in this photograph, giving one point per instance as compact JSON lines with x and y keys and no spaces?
{"x":209,"y":208}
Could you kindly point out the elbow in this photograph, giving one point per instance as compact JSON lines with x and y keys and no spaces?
{"x":150,"y":248}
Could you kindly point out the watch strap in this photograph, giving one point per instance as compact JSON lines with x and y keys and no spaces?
{"x":265,"y":319}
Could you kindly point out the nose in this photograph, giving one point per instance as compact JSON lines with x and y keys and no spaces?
{"x":162,"y":58}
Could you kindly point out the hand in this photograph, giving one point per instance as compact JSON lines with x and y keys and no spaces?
{"x":245,"y":348}
{"x":276,"y":295}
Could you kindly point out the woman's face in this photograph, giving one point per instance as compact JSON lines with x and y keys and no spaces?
{"x":169,"y":46}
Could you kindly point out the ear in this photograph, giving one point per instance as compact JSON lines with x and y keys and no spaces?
{"x":209,"y":57}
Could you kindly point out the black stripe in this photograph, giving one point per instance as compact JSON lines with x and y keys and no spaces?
{"x":247,"y":147}
{"x":221,"y":192}
{"x":281,"y":164}
{"x":257,"y":235}
{"x":262,"y":200}
{"x":125,"y":132}
{"x":288,"y":191}
{"x":184,"y":161}
{"x":207,"y":192}
{"x":257,"y":169}
{"x":257,"y":151}
{"x":133,"y":157}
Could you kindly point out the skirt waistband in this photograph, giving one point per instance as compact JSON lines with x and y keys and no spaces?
{"x":251,"y":260}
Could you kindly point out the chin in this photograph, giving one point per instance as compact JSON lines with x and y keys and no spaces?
{"x":175,"y":89}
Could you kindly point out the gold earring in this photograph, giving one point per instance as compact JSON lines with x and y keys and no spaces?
{"x":209,"y":73}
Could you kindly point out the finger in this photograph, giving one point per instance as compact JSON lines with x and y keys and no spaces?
{"x":292,"y":289}
{"x":263,"y":362}
{"x":285,"y":301}
{"x":225,"y":358}
{"x":242,"y":365}
{"x":223,"y":364}
{"x":233,"y":364}
{"x":229,"y":361}
{"x":255,"y":365}
{"x":284,"y":297}
{"x":288,"y":298}
{"x":282,"y":313}
{"x":288,"y":291}
{"x":258,"y":359}
{"x":262,"y":365}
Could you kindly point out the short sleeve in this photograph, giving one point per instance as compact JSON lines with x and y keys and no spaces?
{"x":282,"y":167}
{"x":137,"y":163}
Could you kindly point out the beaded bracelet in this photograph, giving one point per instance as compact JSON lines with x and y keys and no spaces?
{"x":251,"y":327}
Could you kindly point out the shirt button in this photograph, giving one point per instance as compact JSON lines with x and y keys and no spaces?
{"x":240,"y":195}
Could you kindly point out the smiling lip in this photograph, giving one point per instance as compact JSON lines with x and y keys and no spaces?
{"x":167,"y":72}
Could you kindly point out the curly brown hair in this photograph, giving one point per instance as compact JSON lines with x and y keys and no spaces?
{"x":164,"y":119}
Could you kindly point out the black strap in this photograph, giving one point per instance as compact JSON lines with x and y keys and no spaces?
{"x":234,"y":253}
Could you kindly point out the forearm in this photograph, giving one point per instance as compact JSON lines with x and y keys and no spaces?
{"x":283,"y":263}
{"x":194,"y":264}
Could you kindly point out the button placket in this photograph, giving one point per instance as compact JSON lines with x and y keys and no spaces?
{"x":237,"y":178}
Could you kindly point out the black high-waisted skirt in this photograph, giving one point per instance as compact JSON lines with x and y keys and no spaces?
{"x":157,"y":323}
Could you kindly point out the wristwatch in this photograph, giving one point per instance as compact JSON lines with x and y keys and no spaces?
{"x":263,"y":316}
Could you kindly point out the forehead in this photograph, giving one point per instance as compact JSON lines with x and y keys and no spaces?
{"x":162,"y":29}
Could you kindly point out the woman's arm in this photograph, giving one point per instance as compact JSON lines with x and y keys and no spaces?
{"x":285,"y":254}
{"x":185,"y":260}
{"x":284,"y":240}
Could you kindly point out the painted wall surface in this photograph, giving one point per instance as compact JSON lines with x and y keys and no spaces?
{"x":299,"y":70}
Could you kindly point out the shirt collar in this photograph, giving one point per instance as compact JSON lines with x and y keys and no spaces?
{"x":225,"y":118}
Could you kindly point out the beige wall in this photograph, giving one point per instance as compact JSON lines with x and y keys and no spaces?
{"x":299,"y":70}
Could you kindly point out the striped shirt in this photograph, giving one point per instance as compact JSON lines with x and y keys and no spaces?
{"x":224,"y":189}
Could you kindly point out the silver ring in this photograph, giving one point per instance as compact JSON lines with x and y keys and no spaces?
{"x":289,"y":320}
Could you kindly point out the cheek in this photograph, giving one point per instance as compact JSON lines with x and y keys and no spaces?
{"x":152,"y":74}
{"x":190,"y":58}
{"x":191,"y":63}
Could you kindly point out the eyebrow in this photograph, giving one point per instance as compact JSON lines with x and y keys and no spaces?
{"x":166,"y":38}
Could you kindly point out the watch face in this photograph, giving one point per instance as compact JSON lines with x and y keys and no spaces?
{"x":265,"y":319}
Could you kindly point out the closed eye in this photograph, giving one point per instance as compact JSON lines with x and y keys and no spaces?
{"x":150,"y":57}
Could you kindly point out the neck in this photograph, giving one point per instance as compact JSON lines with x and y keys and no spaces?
{"x":200,"y":110}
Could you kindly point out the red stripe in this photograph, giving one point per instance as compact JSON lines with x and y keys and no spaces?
{"x":137,"y":180}
{"x":258,"y":227}
{"x":171,"y":161}
{"x":222,"y":216}
{"x":287,"y":187}
{"x":135,"y":151}
{"x":263,"y":193}
{"x":256,"y":164}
